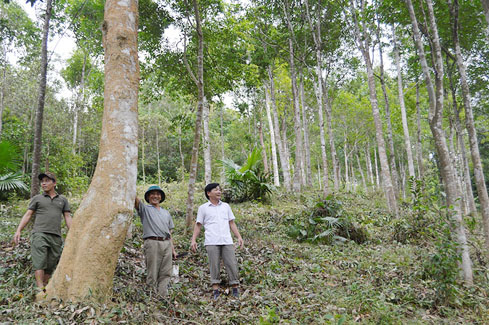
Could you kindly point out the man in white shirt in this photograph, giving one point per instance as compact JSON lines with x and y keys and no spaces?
{"x":218,"y":221}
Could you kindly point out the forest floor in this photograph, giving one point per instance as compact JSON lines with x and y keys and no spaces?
{"x":381,"y":281}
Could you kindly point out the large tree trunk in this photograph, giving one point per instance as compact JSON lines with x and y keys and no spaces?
{"x":206,"y":144}
{"x":284,"y":160}
{"x":318,"y":89}
{"x":469,"y":122}
{"x":379,"y":133}
{"x":36,"y":153}
{"x":296,"y":185}
{"x":199,"y":81}
{"x":89,"y":258}
{"x":407,"y":138}
{"x":447,"y":170}
{"x":276,"y":179}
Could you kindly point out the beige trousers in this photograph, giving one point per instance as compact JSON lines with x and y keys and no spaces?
{"x":226,"y":253}
{"x":158,"y":255}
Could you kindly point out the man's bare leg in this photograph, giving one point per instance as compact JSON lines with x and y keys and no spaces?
{"x":39,"y":274}
{"x":46,"y":278}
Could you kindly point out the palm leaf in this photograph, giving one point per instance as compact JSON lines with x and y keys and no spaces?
{"x":12,"y":181}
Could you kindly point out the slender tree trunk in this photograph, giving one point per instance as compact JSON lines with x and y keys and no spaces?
{"x":386,"y":176}
{"x":180,"y":151}
{"x":419,"y":146}
{"x":221,"y":115}
{"x":377,"y":176}
{"x":368,"y":161}
{"x":334,"y":160}
{"x":206,"y":144}
{"x":262,"y":143}
{"x":78,"y":103}
{"x":199,"y":81}
{"x":297,"y":112}
{"x":318,"y":89}
{"x":36,"y":154}
{"x":143,"y":156}
{"x":158,"y":153}
{"x":2,"y":88}
{"x":470,"y":125}
{"x":99,"y":227}
{"x":276,"y":179}
{"x":307,"y":175}
{"x":390,"y":138}
{"x":284,"y":161}
{"x":405,"y":127}
{"x":447,"y":170}
{"x":463,"y":154}
{"x":361,"y":172}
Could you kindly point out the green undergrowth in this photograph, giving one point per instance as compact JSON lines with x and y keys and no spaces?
{"x":384,"y":279}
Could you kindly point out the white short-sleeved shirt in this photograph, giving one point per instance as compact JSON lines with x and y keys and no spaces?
{"x":215,"y":219}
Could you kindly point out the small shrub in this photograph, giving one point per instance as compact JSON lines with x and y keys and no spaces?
{"x":325,"y":224}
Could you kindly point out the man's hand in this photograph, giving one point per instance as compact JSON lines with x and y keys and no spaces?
{"x":240,"y":242}
{"x":193,"y":245}
{"x":174,"y":252}
{"x":17,"y":237}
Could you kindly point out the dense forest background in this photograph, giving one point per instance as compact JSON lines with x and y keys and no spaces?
{"x":329,"y":121}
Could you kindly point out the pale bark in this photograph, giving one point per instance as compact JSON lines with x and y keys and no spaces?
{"x":79,"y":103}
{"x":405,"y":127}
{"x":158,"y":153}
{"x":361,"y":171}
{"x":390,"y":138}
{"x":199,"y":81}
{"x":180,"y":151}
{"x":2,"y":87}
{"x":307,"y":174}
{"x":206,"y":144}
{"x":284,"y":160}
{"x":386,"y":175}
{"x":447,"y":171}
{"x":296,"y":185}
{"x":223,"y":169}
{"x":99,"y":227}
{"x":276,"y":179}
{"x":470,"y":125}
{"x":36,"y":152}
{"x":262,"y":144}
{"x":332,"y":146}
{"x":469,"y":195}
{"x":143,"y":155}
{"x":368,"y":161}
{"x":318,"y":90}
{"x":419,"y":146}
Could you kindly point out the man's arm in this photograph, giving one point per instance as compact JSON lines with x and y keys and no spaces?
{"x":174,"y":252}
{"x":67,"y":215}
{"x":193,"y":242}
{"x":136,"y":203}
{"x":235,"y":231}
{"x":23,"y":222}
